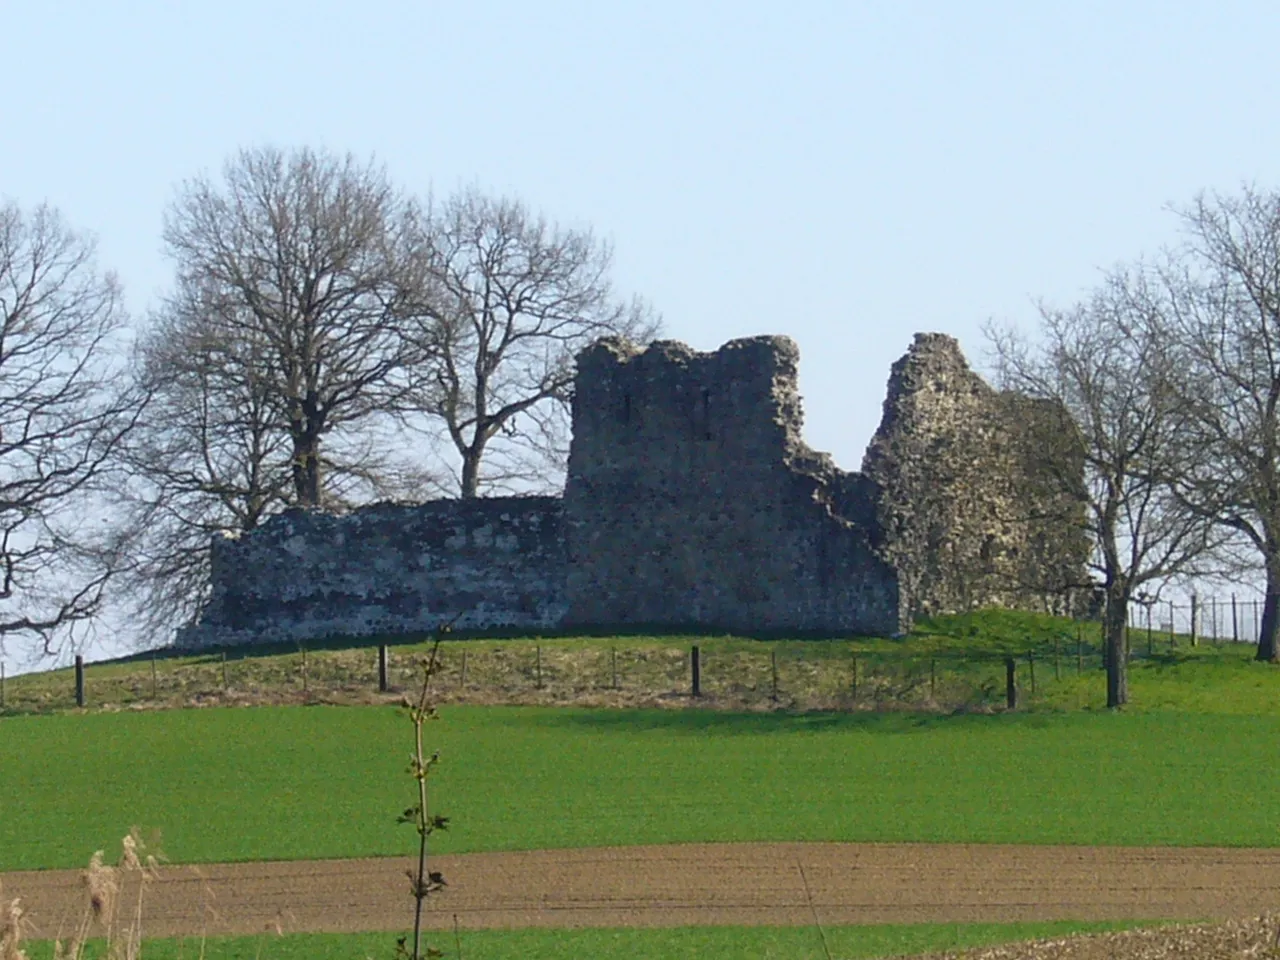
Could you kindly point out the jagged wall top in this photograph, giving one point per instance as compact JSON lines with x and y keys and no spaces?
{"x":692,"y":498}
{"x":967,"y":516}
{"x":670,"y":385}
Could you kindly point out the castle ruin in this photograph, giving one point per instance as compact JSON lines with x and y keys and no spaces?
{"x":693,"y":502}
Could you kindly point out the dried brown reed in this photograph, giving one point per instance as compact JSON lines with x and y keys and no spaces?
{"x":113,"y":901}
{"x":12,"y":926}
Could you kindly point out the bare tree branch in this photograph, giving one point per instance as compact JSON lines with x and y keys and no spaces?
{"x":63,"y":418}
{"x":515,"y":298}
{"x":1224,"y":289}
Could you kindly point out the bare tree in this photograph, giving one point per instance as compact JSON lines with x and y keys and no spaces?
{"x":514,"y":299}
{"x":62,"y":420}
{"x":1110,"y":365}
{"x":214,"y":456}
{"x":277,"y":364}
{"x":1224,"y":285}
{"x":302,"y":255}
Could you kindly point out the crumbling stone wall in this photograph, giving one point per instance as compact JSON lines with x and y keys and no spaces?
{"x":388,"y":569}
{"x":973,"y":510}
{"x":691,"y":499}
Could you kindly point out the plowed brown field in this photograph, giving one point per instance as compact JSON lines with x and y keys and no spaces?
{"x":694,"y":884}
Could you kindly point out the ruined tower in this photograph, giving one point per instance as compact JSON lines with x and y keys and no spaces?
{"x":975,"y":506}
{"x":692,"y":500}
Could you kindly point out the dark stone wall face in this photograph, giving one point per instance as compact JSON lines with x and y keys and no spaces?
{"x":691,"y":499}
{"x":387,"y":569}
{"x":972,"y":511}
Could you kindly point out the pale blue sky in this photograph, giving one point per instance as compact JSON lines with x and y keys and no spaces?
{"x":845,"y":173}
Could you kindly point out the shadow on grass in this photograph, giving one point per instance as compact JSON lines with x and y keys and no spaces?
{"x":722,"y":723}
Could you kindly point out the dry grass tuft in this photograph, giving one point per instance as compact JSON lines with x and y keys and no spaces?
{"x":1233,"y":940}
{"x":101,"y":916}
{"x":11,"y":929}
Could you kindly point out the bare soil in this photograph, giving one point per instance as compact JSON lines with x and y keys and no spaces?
{"x":696,"y":884}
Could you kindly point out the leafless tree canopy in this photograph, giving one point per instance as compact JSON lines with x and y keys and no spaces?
{"x":62,"y":419}
{"x":514,"y":298}
{"x":1225,"y":289}
{"x":1112,"y":365}
{"x":300,"y":258}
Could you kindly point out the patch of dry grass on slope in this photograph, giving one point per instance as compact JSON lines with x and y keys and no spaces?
{"x":1233,"y":940}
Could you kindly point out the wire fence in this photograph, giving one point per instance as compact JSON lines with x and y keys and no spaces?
{"x":1214,"y":618}
{"x":721,"y":674}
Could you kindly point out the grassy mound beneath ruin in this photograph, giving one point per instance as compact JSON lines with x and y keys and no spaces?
{"x":950,"y":664}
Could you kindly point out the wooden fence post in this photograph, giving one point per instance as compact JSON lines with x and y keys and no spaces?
{"x":1151,"y":639}
{"x":613,"y":665}
{"x":1193,"y":620}
{"x":79,"y":680}
{"x":538,"y":666}
{"x":464,"y":669}
{"x":695,"y":666}
{"x":773,"y":667}
{"x":382,"y":668}
{"x":1173,"y":630}
{"x":1010,"y":683}
{"x":1235,"y":622}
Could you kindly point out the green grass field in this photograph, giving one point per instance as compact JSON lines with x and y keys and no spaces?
{"x":295,"y":782}
{"x":679,"y":943}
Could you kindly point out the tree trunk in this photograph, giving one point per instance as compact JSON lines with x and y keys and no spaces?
{"x":471,"y":474}
{"x":1115,"y":622}
{"x":1270,"y":615}
{"x":306,"y":470}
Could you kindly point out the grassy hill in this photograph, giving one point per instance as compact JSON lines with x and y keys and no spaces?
{"x":950,"y":664}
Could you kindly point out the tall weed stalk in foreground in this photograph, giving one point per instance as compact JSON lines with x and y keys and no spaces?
{"x":423,"y":881}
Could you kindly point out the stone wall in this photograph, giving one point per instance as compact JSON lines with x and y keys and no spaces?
{"x":692,"y":501}
{"x":388,"y":569}
{"x":972,"y":506}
